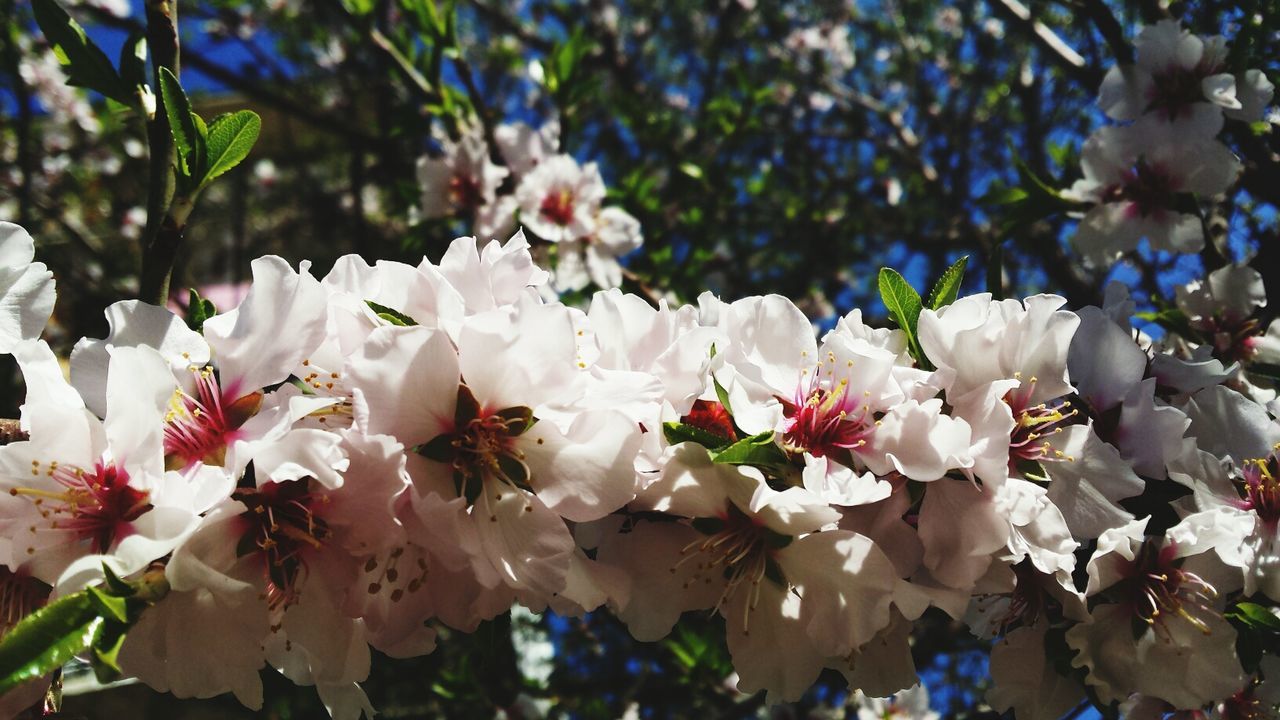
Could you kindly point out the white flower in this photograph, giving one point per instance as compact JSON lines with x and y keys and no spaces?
{"x":1178,"y":77}
{"x":26,"y":289}
{"x":1135,"y":176}
{"x":559,"y":199}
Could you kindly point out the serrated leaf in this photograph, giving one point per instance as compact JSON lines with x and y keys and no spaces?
{"x":83,"y":61}
{"x":110,"y":607}
{"x":904,"y":306}
{"x":231,"y":138}
{"x":391,"y":315}
{"x":677,"y":432}
{"x":757,"y":451}
{"x":947,"y":288}
{"x":182,"y":125}
{"x":104,"y":656}
{"x":47,"y":638}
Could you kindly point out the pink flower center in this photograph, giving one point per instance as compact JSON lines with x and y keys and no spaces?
{"x":740,"y":549}
{"x":1033,"y":424}
{"x":482,"y":445}
{"x":558,"y":207}
{"x":1156,"y":588}
{"x":199,"y":427}
{"x":1262,"y":488}
{"x":1150,"y":188}
{"x":97,"y":505}
{"x":825,"y":419}
{"x":1176,"y":89}
{"x":465,"y":192}
{"x":711,"y":417}
{"x":284,"y":530}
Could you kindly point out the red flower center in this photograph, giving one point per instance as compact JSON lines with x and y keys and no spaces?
{"x":98,"y":505}
{"x":558,"y":207}
{"x":284,"y":529}
{"x":199,"y":427}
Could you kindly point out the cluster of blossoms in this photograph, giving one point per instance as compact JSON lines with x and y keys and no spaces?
{"x":550,"y":194}
{"x":1141,"y":179}
{"x":350,"y":462}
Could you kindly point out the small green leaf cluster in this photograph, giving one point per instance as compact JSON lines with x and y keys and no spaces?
{"x":905,"y":305}
{"x":93,"y":621}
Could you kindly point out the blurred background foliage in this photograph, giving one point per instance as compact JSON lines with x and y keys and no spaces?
{"x":765,"y":146}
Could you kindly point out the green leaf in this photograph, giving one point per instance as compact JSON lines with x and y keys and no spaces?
{"x":904,"y":306}
{"x":198,"y":310}
{"x":84,"y":62}
{"x":105,"y":655}
{"x":758,"y":451}
{"x":111,"y":607}
{"x":391,"y":315}
{"x":47,"y":638}
{"x":1255,"y":616}
{"x":947,"y":288}
{"x":677,"y":432}
{"x":187,"y":138}
{"x":133,"y":62}
{"x":231,"y":137}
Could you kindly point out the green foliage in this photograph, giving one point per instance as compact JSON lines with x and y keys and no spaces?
{"x":904,"y":306}
{"x":94,"y":621}
{"x":947,"y":288}
{"x":677,"y":432}
{"x":759,"y":451}
{"x":188,"y":137}
{"x":231,"y":137}
{"x":47,"y":638}
{"x":391,"y":315}
{"x":84,"y":62}
{"x":198,"y":310}
{"x":205,"y":152}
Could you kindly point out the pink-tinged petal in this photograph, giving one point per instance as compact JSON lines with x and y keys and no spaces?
{"x":406,"y":383}
{"x":280,"y":322}
{"x":26,"y":302}
{"x":1104,"y":360}
{"x":1123,"y":94}
{"x":200,"y":644}
{"x":1150,"y":436}
{"x":527,"y":542}
{"x":662,"y":587}
{"x":522,"y":358}
{"x":363,"y":510}
{"x":42,"y":376}
{"x":792,"y":512}
{"x":134,"y":324}
{"x":960,"y":526}
{"x":1107,"y":232}
{"x":883,"y":523}
{"x":1167,"y":45}
{"x":693,"y":486}
{"x":345,"y":701}
{"x":773,"y":652}
{"x":1026,"y":682}
{"x":301,"y":453}
{"x":1220,"y":89}
{"x":589,"y":585}
{"x":589,"y":471}
{"x":917,"y":440}
{"x":139,"y":387}
{"x":884,"y":665}
{"x":847,"y":586}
